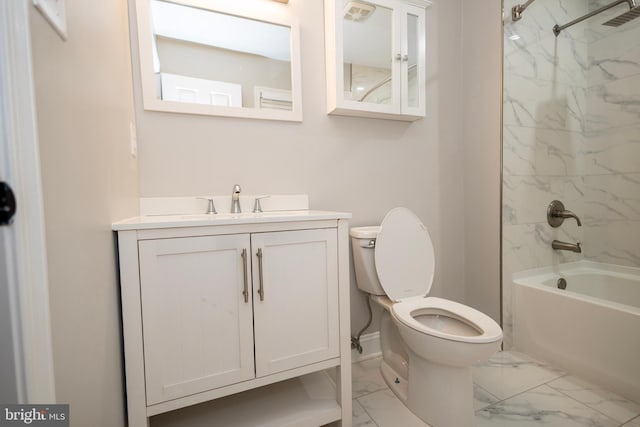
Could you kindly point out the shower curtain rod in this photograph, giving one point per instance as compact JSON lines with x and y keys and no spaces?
{"x":557,"y":28}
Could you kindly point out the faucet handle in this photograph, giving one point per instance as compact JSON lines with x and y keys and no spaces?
{"x":256,"y":206}
{"x":211,"y":208}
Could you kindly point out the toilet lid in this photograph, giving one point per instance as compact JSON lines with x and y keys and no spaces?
{"x":404,"y":255}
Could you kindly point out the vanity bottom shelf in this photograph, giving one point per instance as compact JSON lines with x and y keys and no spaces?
{"x":309,"y":400}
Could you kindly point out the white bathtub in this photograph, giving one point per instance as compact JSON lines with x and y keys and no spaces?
{"x":591,"y":329}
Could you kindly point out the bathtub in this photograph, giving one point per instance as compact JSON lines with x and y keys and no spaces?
{"x":590,"y":329}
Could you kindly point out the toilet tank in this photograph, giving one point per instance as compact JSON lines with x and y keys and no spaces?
{"x":362,"y":244}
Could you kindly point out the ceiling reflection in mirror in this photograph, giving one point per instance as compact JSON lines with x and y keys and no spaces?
{"x":207,"y":57}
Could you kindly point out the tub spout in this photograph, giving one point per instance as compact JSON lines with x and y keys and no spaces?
{"x":564,"y":246}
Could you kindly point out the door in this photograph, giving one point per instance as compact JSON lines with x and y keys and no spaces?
{"x":295,"y":285}
{"x":200,"y":91}
{"x":26,"y":361}
{"x":196,"y":314}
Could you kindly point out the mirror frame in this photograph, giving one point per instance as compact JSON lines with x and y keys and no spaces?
{"x":258,"y":10}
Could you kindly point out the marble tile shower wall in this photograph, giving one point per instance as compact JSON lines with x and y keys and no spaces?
{"x":543,"y":127}
{"x":612,"y":132}
{"x":571,"y":131}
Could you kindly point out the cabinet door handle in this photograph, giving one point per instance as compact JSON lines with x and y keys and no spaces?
{"x":261,"y":288}
{"x":245,"y":291}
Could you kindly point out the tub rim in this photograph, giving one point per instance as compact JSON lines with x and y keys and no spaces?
{"x":535,"y":277}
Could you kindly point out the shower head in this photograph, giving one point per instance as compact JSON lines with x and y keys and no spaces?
{"x":632,"y":13}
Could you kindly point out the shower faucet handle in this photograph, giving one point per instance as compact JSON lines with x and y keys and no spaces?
{"x":556,"y":214}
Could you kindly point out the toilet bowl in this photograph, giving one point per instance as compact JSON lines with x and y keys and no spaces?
{"x":442,"y":339}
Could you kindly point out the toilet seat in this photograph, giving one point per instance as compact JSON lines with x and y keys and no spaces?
{"x":457,"y":322}
{"x":404,"y":256}
{"x":405,"y":264}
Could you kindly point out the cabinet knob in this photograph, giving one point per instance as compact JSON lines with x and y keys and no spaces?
{"x":398,"y":57}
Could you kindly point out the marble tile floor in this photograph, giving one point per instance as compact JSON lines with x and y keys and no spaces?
{"x":511,"y":389}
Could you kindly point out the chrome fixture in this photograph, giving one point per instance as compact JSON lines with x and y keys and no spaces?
{"x":564,"y":246}
{"x":516,"y":11}
{"x":556,"y":214}
{"x":256,"y":205}
{"x":632,"y":13}
{"x":211,"y":208}
{"x":235,"y":199}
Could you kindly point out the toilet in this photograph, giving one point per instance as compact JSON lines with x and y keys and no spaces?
{"x":428,"y":344}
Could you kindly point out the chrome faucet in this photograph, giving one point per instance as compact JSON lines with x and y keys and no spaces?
{"x":556,"y":214}
{"x":235,"y":199}
{"x":564,"y":246}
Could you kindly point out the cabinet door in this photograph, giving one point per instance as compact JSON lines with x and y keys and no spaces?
{"x":197,"y":324}
{"x":412,"y":73}
{"x":296,"y":315}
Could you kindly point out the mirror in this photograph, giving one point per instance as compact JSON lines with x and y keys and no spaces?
{"x":367,"y":52}
{"x":240,"y":59}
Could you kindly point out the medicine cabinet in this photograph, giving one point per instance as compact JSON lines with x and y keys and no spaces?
{"x":375,"y":57}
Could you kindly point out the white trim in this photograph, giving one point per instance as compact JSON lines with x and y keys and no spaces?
{"x":370,"y":348}
{"x":21,"y":167}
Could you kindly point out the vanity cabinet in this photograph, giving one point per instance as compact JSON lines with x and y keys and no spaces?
{"x":218,"y":310}
{"x":375,"y":58}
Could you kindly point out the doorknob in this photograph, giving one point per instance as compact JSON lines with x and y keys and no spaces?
{"x":7,"y":204}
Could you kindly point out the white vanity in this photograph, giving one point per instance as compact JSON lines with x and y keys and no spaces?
{"x":246,"y":312}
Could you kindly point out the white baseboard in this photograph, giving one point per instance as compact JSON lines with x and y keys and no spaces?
{"x":370,"y":348}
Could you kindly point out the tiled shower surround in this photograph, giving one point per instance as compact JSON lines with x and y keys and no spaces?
{"x":571,"y":132}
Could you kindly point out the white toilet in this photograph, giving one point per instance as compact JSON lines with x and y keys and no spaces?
{"x":428,"y":344}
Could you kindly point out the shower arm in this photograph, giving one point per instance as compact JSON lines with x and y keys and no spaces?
{"x":558,"y":28}
{"x":516,"y":11}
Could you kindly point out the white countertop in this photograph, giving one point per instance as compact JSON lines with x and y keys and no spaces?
{"x":199,"y":220}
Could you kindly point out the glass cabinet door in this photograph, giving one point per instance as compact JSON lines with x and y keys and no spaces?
{"x":367,"y":53}
{"x":412,"y":68}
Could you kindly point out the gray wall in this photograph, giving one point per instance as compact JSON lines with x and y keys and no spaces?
{"x":481,"y":117}
{"x":364,"y":166}
{"x":84,"y":107}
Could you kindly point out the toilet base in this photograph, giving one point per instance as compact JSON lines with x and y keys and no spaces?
{"x":396,"y":382}
{"x":440,"y":395}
